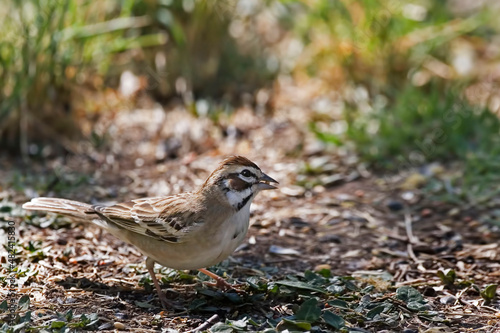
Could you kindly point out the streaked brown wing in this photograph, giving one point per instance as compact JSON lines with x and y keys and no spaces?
{"x":163,"y":218}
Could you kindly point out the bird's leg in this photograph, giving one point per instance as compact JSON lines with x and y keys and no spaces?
{"x":220,"y":282}
{"x":150,"y":264}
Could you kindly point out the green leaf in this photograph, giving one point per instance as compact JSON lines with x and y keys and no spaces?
{"x":69,"y":315}
{"x":19,"y":327}
{"x":348,"y":282}
{"x":196,"y":303}
{"x":234,"y":298}
{"x":240,"y":324}
{"x":300,"y":285}
{"x":447,"y":276}
{"x":375,"y":311}
{"x":309,"y":311}
{"x":293,"y":325}
{"x":82,"y":322}
{"x":26,"y":318}
{"x":408,"y":294}
{"x":4,"y":306}
{"x":314,"y":277}
{"x":221,"y":328}
{"x":57,"y":324}
{"x":211,"y":293}
{"x":336,"y":289}
{"x":325,"y":272}
{"x":31,"y":247}
{"x":367,"y":289}
{"x":338,"y":303}
{"x":489,"y":293}
{"x":412,"y":297}
{"x":93,"y":318}
{"x":333,"y":320}
{"x":24,"y":303}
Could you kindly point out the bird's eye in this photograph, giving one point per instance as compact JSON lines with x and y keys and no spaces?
{"x":246,"y":173}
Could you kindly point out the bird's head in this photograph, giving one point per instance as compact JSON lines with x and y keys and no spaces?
{"x":239,"y":180}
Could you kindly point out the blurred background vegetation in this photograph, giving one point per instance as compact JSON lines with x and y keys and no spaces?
{"x":402,"y":83}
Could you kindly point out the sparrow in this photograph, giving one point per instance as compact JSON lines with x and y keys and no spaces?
{"x":187,"y":231}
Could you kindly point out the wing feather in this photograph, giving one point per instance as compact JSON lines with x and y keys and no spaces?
{"x":163,"y":218}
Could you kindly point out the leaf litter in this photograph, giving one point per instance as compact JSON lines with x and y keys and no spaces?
{"x":338,"y":248}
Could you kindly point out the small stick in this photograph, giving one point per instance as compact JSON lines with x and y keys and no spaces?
{"x":412,"y":240}
{"x":409,"y":230}
{"x":209,"y":322}
{"x":471,"y":314}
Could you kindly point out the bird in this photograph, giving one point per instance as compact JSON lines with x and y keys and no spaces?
{"x":187,"y":231}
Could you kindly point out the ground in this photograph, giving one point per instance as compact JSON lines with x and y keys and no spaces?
{"x":337,"y":247}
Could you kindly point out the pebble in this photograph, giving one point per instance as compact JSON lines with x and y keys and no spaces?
{"x":450,"y":299}
{"x":119,"y":326}
{"x":408,"y":196}
{"x":319,"y":189}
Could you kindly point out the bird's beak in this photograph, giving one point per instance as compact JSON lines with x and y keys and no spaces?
{"x":264,"y":181}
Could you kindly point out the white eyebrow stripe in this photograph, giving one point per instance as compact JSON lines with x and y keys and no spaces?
{"x":250,"y":179}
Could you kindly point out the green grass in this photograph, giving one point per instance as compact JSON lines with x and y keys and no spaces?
{"x":424,"y":125}
{"x":50,"y":48}
{"x":52,"y":52}
{"x":381,"y":48}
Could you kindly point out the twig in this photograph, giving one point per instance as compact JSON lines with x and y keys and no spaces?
{"x":489,"y":308}
{"x":471,"y":314}
{"x":396,"y":237}
{"x":409,"y":230}
{"x":209,"y":322}
{"x":459,"y":296}
{"x":417,"y":282}
{"x":412,"y":255}
{"x":412,"y":240}
{"x":401,"y":273}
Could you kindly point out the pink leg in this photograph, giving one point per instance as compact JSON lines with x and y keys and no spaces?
{"x":150,"y":263}
{"x":220,"y":282}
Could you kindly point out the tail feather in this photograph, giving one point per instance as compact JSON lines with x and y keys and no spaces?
{"x":61,"y":206}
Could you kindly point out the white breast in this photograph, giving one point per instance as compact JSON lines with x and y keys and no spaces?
{"x":235,"y":231}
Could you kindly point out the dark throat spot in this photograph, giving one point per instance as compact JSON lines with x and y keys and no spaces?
{"x":244,"y":202}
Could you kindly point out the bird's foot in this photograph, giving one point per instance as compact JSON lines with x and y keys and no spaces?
{"x":226,"y":286}
{"x":165,"y":303}
{"x":221,"y":283}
